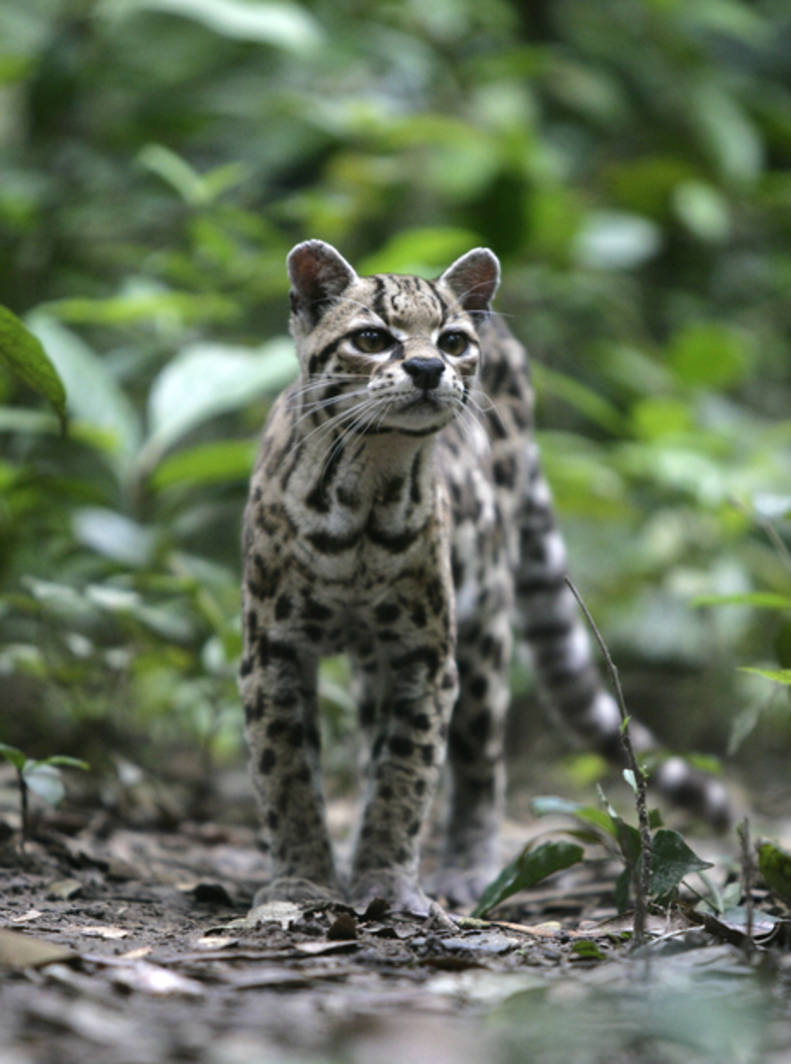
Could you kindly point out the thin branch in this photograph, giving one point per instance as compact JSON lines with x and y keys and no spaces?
{"x":643,"y":881}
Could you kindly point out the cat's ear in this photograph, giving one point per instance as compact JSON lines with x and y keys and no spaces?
{"x":318,"y":273}
{"x":473,"y":278}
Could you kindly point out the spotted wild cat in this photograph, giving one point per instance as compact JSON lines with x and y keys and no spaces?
{"x":397,"y":515}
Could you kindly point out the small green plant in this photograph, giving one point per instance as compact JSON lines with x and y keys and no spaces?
{"x":40,"y":776}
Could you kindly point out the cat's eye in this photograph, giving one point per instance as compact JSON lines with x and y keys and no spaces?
{"x":372,"y":341}
{"x":453,"y":343}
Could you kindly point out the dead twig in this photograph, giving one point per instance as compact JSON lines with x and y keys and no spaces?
{"x":643,"y":880}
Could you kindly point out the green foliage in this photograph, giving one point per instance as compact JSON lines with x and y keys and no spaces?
{"x":42,"y":777}
{"x":629,"y":163}
{"x":774,"y":864}
{"x":528,"y":868}
{"x":671,"y":857}
{"x":22,"y":353}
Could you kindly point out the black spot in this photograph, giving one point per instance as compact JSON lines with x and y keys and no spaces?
{"x":480,"y":726}
{"x":367,"y":712}
{"x":391,"y":491}
{"x":396,"y":542}
{"x":326,"y":543}
{"x":460,"y":749}
{"x":401,"y":746}
{"x":386,"y":792}
{"x":378,"y":746}
{"x":414,"y":478}
{"x":387,"y":612}
{"x":314,"y":611}
{"x":434,"y":595}
{"x":401,"y":708}
{"x":420,"y":787}
{"x":252,"y":622}
{"x":246,"y":667}
{"x":504,"y":472}
{"x":296,"y":735}
{"x":448,"y":681}
{"x":478,"y":686}
{"x":267,"y":760}
{"x":272,"y":820}
{"x":413,"y":828}
{"x":347,"y":498}
{"x":427,"y":656}
{"x":282,"y":607}
{"x":313,"y":632}
{"x":427,"y":753}
{"x":421,"y":722}
{"x":417,"y":615}
{"x":275,"y":728}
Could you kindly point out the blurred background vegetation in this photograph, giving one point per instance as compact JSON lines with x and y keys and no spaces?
{"x":629,"y":162}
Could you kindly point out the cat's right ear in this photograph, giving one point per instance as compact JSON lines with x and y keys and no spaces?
{"x":318,"y":274}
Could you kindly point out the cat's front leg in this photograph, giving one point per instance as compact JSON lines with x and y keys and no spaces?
{"x":406,"y":758}
{"x":278,"y":685}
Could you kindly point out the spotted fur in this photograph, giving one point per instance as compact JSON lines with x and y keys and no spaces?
{"x":398,"y":513}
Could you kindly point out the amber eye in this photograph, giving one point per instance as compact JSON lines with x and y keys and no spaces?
{"x":453,"y":343}
{"x":372,"y":341}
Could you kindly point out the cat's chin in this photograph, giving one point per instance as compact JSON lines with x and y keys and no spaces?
{"x":422,"y":415}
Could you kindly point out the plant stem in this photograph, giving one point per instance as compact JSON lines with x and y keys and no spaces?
{"x":643,"y":880}
{"x":24,"y":809}
{"x":743,"y":831}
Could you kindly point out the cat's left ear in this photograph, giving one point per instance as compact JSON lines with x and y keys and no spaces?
{"x":473,"y":278}
{"x":318,"y":273}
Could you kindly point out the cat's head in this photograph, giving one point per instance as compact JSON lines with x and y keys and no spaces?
{"x":397,"y":353}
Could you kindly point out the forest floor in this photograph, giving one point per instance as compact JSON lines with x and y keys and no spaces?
{"x":135,"y":945}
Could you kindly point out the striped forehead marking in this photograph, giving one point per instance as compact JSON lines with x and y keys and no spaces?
{"x":406,"y":301}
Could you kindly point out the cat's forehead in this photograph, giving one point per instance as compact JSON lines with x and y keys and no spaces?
{"x":406,"y":302}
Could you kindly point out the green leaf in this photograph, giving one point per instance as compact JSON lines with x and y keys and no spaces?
{"x":283,"y":25}
{"x":767,"y":600}
{"x":114,"y":535}
{"x":582,"y":398}
{"x":611,"y":240}
{"x":549,"y":805}
{"x":13,"y":754}
{"x":527,"y":869}
{"x":783,"y":645}
{"x":206,"y":463}
{"x":774,"y":864}
{"x":44,"y":780}
{"x":782,"y":676}
{"x":586,"y":949}
{"x":622,"y":886}
{"x":425,"y":251}
{"x":210,"y":379}
{"x":709,"y":355}
{"x":671,"y":860}
{"x":703,"y":211}
{"x":23,"y":354}
{"x":64,"y":761}
{"x":94,"y":396}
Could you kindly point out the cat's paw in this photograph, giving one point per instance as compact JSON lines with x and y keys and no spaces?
{"x":298,"y":890}
{"x":462,"y":886}
{"x":402,"y":893}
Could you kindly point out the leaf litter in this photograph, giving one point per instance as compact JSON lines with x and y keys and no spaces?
{"x":167,"y":961}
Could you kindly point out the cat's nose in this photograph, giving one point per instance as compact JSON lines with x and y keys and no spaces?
{"x":425,"y":372}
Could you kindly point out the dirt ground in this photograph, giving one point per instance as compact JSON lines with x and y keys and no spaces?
{"x":130,"y":945}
